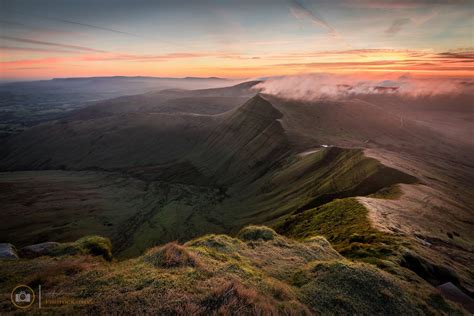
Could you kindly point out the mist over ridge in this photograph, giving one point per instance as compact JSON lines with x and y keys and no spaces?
{"x":332,"y":86}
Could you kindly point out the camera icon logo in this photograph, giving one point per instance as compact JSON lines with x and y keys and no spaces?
{"x":23,"y":296}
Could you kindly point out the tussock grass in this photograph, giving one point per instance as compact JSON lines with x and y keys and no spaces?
{"x":93,"y":245}
{"x":256,"y":233}
{"x":171,"y":255}
{"x":55,"y":272}
{"x":233,"y":298}
{"x":343,"y":288}
{"x":221,"y":275}
{"x":223,"y":243}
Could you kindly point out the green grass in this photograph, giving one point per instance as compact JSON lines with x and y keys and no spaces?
{"x":218,"y":274}
{"x":342,"y":287}
{"x":256,"y":233}
{"x":93,"y":245}
{"x":345,"y":224}
{"x":170,"y":255}
{"x":176,"y":202}
{"x":302,"y":183}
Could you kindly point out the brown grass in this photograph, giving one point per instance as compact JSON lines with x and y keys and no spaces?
{"x":171,"y":255}
{"x":274,"y":277}
{"x":279,"y":290}
{"x":233,"y":298}
{"x":253,"y":232}
{"x":56,"y":272}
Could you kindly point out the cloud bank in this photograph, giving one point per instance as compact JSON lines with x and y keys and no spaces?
{"x":312,"y":87}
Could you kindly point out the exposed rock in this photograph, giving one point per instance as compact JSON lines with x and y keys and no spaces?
{"x":38,"y":250}
{"x":452,"y":292}
{"x":433,"y":273}
{"x":7,"y":251}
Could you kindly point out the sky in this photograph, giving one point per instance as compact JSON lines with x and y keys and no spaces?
{"x":41,"y":39}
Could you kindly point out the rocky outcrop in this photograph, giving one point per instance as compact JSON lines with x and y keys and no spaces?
{"x":38,"y":250}
{"x":8,"y":251}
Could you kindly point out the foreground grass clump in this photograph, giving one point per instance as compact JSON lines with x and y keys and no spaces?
{"x":171,"y":255}
{"x":343,"y":287}
{"x":93,"y":245}
{"x":232,"y":297}
{"x":55,"y":271}
{"x":221,"y":275}
{"x":331,"y":286}
{"x":256,"y":233}
{"x":345,"y":223}
{"x":223,"y":243}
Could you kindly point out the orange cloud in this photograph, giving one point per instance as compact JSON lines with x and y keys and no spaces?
{"x":231,"y":64}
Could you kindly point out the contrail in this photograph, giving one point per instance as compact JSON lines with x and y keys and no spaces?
{"x":31,"y":41}
{"x":41,"y":50}
{"x":92,"y":26}
{"x":79,"y":23}
{"x":15,"y":24}
{"x":300,"y":12}
{"x":397,"y":26}
{"x":95,"y":27}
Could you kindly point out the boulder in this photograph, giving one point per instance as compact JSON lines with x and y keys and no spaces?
{"x":38,"y":250}
{"x":7,"y":251}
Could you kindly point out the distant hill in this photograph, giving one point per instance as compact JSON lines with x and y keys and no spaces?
{"x":25,"y":104}
{"x":113,"y":78}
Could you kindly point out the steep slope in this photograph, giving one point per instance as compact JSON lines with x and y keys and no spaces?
{"x":301,"y":182}
{"x":194,"y":174}
{"x":248,"y":141}
{"x":428,"y":137}
{"x":197,"y":174}
{"x":132,"y":131}
{"x":109,"y":142}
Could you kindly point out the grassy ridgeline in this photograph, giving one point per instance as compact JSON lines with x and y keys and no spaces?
{"x":345,"y":224}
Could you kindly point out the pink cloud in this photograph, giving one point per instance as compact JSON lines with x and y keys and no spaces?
{"x":312,"y":87}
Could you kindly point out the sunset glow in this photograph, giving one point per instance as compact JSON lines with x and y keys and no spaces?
{"x":240,"y":39}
